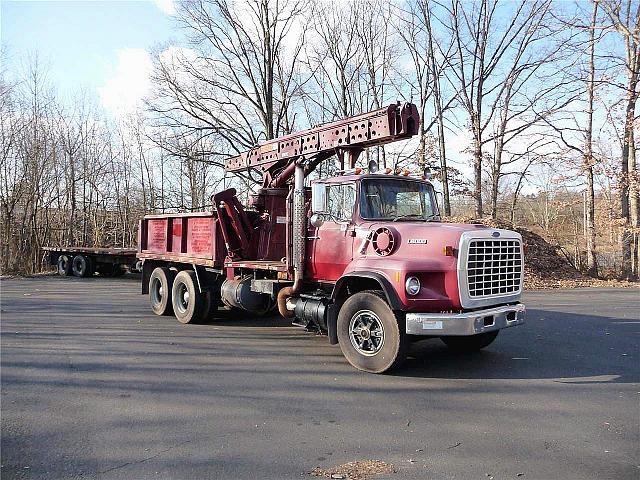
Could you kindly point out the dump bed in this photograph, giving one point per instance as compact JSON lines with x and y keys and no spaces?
{"x":182,"y":237}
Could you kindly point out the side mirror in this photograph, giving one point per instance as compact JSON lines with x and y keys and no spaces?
{"x":318,"y":198}
{"x":316,"y":220}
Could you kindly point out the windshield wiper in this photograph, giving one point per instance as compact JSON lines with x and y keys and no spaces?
{"x":419,"y":215}
{"x":408,"y":215}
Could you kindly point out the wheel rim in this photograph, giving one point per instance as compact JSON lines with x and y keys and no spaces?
{"x":157,"y":292}
{"x":366,"y":333}
{"x":182,"y":298}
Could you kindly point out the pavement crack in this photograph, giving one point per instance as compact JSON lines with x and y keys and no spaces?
{"x":144,"y":459}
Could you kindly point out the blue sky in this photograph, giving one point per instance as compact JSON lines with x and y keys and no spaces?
{"x":85,"y":44}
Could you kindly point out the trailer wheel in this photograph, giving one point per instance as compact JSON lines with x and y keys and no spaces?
{"x":109,"y":270}
{"x":105,"y":270}
{"x":470,"y":343}
{"x":64,"y":265}
{"x":82,"y":266}
{"x":118,"y":270}
{"x":189,"y":305}
{"x":160,"y":285}
{"x":369,"y":334}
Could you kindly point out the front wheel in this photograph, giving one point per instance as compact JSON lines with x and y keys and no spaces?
{"x":470,"y":343}
{"x":369,"y":334}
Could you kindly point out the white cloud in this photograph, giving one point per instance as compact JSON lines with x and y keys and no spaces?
{"x":166,"y":6}
{"x":129,"y":82}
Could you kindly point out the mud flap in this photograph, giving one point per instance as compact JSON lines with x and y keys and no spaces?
{"x":332,"y":324}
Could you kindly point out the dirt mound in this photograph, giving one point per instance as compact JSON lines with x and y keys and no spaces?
{"x":545,"y":266}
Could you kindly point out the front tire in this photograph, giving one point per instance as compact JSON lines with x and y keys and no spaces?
{"x":160,"y":287}
{"x":369,"y":334}
{"x":189,"y":305}
{"x":470,"y":343}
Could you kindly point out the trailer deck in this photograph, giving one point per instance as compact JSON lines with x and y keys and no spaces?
{"x":85,"y":261}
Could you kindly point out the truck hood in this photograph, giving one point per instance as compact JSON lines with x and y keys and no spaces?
{"x":419,"y":248}
{"x":417,"y":240}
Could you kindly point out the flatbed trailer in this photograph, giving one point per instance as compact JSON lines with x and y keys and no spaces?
{"x":86,"y":261}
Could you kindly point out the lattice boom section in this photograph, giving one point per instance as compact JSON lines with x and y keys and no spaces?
{"x":494,"y":267}
{"x":373,"y":128}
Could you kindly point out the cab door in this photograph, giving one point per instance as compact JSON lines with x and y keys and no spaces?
{"x":331,"y":241}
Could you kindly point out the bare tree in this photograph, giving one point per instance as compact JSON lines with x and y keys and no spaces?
{"x":336,"y":60}
{"x":501,"y":75}
{"x":625,"y":18}
{"x":380,"y":54}
{"x":237,"y":80}
{"x":429,"y":57}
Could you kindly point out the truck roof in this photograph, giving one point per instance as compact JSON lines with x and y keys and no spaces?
{"x":353,"y":178}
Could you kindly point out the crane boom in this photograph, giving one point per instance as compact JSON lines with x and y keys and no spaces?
{"x":347,"y":138}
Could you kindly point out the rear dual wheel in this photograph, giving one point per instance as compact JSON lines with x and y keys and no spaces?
{"x":64,"y":265}
{"x":189,"y":304}
{"x":82,"y":266}
{"x":160,"y":285}
{"x":178,"y":294}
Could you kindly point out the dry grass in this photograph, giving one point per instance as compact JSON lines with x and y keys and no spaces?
{"x":358,"y":470}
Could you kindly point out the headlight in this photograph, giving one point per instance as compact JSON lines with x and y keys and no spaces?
{"x":412,"y":285}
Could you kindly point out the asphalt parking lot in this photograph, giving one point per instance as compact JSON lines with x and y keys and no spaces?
{"x":95,"y":386}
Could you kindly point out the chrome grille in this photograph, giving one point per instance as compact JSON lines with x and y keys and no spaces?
{"x":494,"y":267}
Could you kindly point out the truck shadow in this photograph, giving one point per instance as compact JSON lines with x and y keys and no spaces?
{"x":569,"y":348}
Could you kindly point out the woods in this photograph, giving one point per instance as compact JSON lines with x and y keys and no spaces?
{"x":528,"y":114}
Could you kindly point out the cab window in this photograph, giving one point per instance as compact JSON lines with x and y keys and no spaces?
{"x":340,"y":201}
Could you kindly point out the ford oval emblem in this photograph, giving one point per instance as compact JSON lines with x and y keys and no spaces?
{"x":495,"y":234}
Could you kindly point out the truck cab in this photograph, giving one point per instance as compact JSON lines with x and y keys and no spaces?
{"x":381,"y":235}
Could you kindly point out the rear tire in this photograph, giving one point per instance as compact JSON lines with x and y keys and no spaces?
{"x":369,"y":334}
{"x":160,"y":286}
{"x":64,"y":265}
{"x":82,"y":266}
{"x":470,"y":343}
{"x":189,"y":305}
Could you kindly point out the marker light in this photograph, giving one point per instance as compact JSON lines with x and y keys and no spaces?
{"x":412,"y":285}
{"x":448,"y":251}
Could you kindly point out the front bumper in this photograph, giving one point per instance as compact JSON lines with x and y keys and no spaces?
{"x":467,"y":323}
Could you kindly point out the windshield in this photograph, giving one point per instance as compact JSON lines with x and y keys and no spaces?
{"x":397,"y":199}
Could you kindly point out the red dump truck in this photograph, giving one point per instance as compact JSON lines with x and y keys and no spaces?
{"x":362,"y":256}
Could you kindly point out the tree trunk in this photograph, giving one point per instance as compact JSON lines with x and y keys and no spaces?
{"x":477,"y":169}
{"x":444,"y":175}
{"x":495,"y":179}
{"x":628,"y":163}
{"x":592,"y":266}
{"x":634,"y":207}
